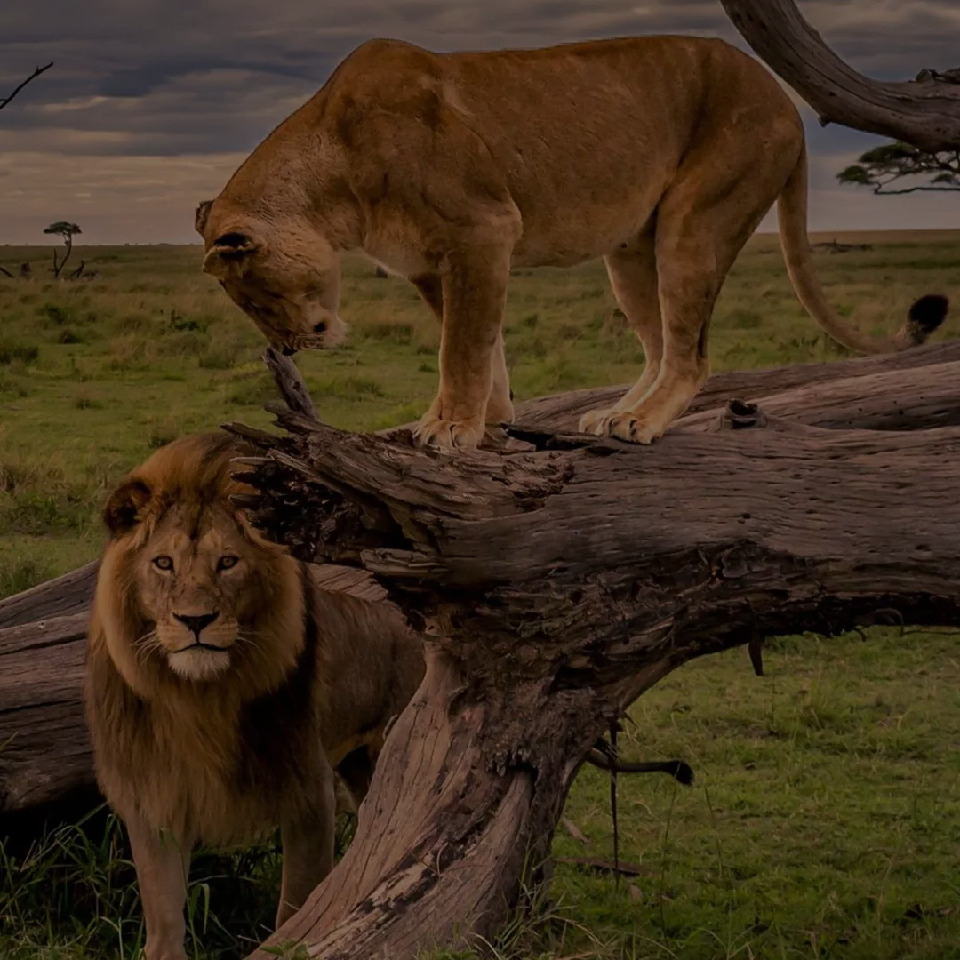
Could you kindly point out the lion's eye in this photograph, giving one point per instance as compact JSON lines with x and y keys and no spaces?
{"x":163,"y":562}
{"x":225,"y":563}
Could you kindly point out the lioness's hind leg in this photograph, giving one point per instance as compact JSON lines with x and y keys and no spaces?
{"x":688,"y":290}
{"x":633,"y":277}
{"x":704,"y":219}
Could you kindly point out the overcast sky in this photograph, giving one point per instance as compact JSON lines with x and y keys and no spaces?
{"x":151,"y":104}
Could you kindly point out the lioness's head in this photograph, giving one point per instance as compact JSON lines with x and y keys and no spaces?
{"x":283,"y":273}
{"x":188,"y":591}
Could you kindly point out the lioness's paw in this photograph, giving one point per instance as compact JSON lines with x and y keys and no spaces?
{"x":590,"y":422}
{"x":449,"y":435}
{"x":622,"y":424}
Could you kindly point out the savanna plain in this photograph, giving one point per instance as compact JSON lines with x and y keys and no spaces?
{"x":825,"y":816}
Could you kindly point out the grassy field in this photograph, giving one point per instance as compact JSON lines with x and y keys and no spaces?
{"x":825,"y":820}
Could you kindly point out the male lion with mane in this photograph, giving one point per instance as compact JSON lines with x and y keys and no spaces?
{"x":659,"y":154}
{"x":223,"y":684}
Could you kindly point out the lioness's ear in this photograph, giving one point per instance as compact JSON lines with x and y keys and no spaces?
{"x":228,"y":250}
{"x":200,"y":218}
{"x":125,"y":506}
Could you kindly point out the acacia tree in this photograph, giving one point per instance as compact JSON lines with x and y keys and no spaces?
{"x":67,"y":230}
{"x":901,"y":163}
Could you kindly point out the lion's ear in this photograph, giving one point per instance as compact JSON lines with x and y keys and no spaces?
{"x":228,"y":251}
{"x":200,"y":218}
{"x":125,"y":506}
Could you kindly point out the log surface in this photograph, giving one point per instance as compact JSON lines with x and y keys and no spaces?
{"x":44,"y":747}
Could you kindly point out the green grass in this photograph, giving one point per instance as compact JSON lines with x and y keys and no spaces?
{"x":825,"y":819}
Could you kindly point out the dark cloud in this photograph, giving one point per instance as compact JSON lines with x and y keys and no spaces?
{"x":150,"y":102}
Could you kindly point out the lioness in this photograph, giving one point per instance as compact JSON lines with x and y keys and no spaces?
{"x":659,"y":154}
{"x":216,"y":668}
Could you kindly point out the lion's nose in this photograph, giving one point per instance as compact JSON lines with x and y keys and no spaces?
{"x":196,"y":624}
{"x":289,"y":351}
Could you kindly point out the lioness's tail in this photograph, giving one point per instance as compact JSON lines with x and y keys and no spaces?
{"x":924,"y":317}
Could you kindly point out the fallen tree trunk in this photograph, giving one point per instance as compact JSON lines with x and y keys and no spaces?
{"x":62,"y":597}
{"x":633,"y":560}
{"x":44,"y":749}
{"x":559,"y":583}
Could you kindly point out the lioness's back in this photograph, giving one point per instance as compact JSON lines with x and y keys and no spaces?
{"x":612,"y":104}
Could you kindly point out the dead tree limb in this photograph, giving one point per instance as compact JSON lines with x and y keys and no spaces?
{"x":559,"y":584}
{"x":924,"y":112}
{"x":33,"y":76}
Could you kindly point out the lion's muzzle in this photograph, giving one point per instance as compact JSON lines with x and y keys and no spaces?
{"x":196,"y":623}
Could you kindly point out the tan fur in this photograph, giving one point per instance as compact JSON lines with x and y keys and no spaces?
{"x":224,"y":743}
{"x":659,"y":154}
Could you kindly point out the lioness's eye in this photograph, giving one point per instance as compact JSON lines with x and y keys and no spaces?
{"x":163,"y":562}
{"x":225,"y":563}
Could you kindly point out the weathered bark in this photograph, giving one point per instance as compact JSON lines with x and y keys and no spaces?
{"x":559,"y":584}
{"x":62,"y":597}
{"x":924,"y":112}
{"x":44,"y":749}
{"x":45,"y":753}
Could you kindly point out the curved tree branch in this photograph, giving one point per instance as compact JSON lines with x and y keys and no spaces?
{"x":924,"y":112}
{"x":36,"y":73}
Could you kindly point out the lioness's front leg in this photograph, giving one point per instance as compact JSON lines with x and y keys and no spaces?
{"x":308,"y":842}
{"x":162,"y":863}
{"x":474,"y":294}
{"x":500,"y":401}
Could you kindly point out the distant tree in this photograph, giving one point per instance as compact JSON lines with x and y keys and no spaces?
{"x":897,"y":161}
{"x":36,"y":73}
{"x":67,"y":230}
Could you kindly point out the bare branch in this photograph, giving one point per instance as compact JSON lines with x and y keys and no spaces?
{"x":924,"y":112}
{"x":33,"y":76}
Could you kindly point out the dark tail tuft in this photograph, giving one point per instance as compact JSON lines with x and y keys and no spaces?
{"x":928,"y":313}
{"x":682,"y":772}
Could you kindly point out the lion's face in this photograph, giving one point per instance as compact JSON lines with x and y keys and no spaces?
{"x":188,"y":590}
{"x":193,"y":590}
{"x":286,"y":277}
